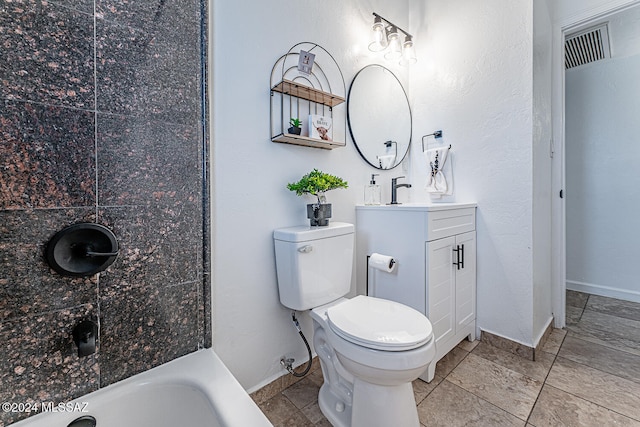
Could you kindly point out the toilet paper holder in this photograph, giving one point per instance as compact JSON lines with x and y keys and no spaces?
{"x":390,"y":268}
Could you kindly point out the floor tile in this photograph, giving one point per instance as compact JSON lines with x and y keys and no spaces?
{"x":615,"y":307}
{"x":282,"y":413}
{"x":467,"y":345}
{"x":577,"y":299}
{"x":553,"y":343}
{"x":313,"y":412}
{"x":514,"y":347}
{"x":505,"y":388}
{"x":608,"y":330}
{"x":558,"y":408}
{"x":451,"y":406}
{"x":450,"y":361}
{"x":316,"y":377}
{"x":421,"y":389}
{"x":601,"y":388}
{"x":302,"y":393}
{"x":535,"y":369}
{"x":616,"y":362}
{"x":573,"y":314}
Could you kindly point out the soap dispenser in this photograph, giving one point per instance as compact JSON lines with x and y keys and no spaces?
{"x":372,"y":192}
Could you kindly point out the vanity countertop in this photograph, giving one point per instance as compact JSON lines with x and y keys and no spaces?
{"x":428,"y":207}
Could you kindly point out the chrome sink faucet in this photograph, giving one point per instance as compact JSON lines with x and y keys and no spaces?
{"x":394,"y":189}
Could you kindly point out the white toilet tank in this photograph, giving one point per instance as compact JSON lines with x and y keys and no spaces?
{"x":313,"y":264}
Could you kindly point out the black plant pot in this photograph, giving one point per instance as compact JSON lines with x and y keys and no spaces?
{"x":295,"y":130}
{"x":319,"y":214}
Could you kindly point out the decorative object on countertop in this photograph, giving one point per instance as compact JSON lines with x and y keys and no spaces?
{"x":317,"y":183}
{"x":439,"y":177}
{"x":372,"y":193}
{"x":82,"y":250}
{"x":379,"y":117}
{"x":295,"y":128}
{"x":307,"y":81}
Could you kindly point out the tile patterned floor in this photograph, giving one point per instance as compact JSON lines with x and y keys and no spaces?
{"x":587,"y":375}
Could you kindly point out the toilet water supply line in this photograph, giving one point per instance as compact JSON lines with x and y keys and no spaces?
{"x":288,"y":363}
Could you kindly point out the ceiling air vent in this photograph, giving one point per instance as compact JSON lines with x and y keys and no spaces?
{"x":586,"y":46}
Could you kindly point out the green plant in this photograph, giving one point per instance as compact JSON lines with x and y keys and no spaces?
{"x":295,"y":122}
{"x":317,"y":183}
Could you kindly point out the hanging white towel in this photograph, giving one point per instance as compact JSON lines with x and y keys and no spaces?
{"x":439,"y":176}
{"x":387,"y":161}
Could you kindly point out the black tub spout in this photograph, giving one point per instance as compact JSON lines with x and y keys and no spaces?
{"x":84,"y":335}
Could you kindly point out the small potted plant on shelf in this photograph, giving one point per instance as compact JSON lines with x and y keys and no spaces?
{"x":317,"y":183}
{"x":295,"y":128}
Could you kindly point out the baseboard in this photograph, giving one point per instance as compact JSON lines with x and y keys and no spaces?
{"x":542,"y":339}
{"x":509,"y":345}
{"x":604,"y":291}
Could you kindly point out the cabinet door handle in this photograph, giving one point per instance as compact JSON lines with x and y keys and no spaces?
{"x":459,"y":250}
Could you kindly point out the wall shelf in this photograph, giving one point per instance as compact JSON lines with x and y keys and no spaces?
{"x":295,"y":94}
{"x":305,"y":141}
{"x":310,"y":94}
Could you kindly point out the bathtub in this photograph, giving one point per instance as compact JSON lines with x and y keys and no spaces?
{"x":194,"y":390}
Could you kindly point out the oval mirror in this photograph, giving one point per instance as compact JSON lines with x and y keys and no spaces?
{"x":379,"y":117}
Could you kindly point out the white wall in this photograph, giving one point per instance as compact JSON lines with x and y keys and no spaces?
{"x":474,"y":82}
{"x":252,"y":331}
{"x":603,"y":154}
{"x":542,"y":190}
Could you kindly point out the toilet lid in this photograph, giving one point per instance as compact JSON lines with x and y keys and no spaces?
{"x":379,"y":324}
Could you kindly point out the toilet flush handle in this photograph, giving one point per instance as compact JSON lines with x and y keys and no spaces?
{"x":305,"y":249}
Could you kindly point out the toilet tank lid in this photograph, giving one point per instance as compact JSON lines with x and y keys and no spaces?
{"x":303,"y":233}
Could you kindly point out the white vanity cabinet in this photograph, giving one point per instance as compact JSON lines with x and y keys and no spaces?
{"x":435,"y":250}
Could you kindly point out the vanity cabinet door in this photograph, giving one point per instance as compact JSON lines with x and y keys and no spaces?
{"x":441,"y":283}
{"x":465,"y":271}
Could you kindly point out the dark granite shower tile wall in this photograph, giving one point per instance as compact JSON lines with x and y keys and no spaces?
{"x":100,"y":125}
{"x":48,"y":156}
{"x":47,"y":54}
{"x":151,"y":71}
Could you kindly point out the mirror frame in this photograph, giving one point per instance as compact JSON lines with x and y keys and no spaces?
{"x":410,"y":117}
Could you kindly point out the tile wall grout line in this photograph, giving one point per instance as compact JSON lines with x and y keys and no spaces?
{"x":95,"y":102}
{"x":95,"y":148}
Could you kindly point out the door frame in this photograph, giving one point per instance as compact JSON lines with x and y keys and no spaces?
{"x":561,"y":27}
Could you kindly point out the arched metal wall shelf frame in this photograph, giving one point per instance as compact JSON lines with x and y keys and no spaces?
{"x":297,"y":94}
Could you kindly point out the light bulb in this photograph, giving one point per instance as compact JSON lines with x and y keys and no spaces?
{"x":395,"y":48}
{"x":408,"y":52}
{"x":378,"y":37}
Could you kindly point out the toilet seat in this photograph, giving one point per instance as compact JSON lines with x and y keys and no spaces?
{"x":379,"y":324}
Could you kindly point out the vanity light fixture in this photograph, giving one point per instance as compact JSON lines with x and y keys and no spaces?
{"x":386,"y":37}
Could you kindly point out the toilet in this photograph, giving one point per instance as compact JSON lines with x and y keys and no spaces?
{"x":370,"y":349}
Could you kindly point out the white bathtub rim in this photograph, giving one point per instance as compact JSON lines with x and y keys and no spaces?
{"x":202,"y":370}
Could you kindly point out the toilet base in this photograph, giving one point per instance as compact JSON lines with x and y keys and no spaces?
{"x":383,"y":406}
{"x":330,"y":406}
{"x":375,"y":406}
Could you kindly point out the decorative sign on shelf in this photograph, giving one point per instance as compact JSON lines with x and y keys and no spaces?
{"x":320,"y":127}
{"x":305,"y":62}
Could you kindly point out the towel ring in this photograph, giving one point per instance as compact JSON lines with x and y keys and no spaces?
{"x":395,"y":156}
{"x":436,"y":134}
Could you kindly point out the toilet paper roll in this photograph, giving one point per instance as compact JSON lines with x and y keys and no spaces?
{"x":382,"y":262}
